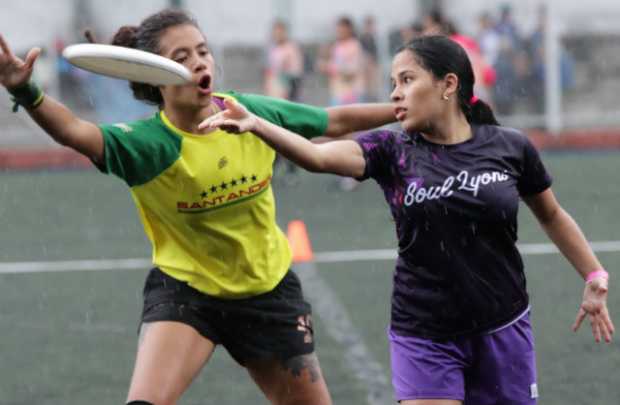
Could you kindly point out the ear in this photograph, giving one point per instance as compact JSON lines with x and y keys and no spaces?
{"x":451,"y":85}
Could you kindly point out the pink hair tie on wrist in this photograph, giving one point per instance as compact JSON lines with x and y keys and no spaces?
{"x":473,"y":100}
{"x":595,"y":274}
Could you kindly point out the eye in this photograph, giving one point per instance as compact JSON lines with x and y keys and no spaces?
{"x":180,"y":59}
{"x":407,"y":79}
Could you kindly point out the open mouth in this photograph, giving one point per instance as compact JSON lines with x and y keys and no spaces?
{"x":205,"y":82}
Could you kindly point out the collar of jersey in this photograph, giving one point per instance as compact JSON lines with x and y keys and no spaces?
{"x":207,"y":137}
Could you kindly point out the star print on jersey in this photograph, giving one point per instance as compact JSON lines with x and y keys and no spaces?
{"x":222,"y":194}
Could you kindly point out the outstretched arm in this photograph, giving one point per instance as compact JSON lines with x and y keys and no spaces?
{"x":57,"y":120}
{"x":338,"y":157}
{"x":568,"y":237}
{"x":358,"y":117}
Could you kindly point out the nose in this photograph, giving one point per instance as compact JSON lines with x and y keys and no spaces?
{"x":199,"y":65}
{"x":396,"y":95}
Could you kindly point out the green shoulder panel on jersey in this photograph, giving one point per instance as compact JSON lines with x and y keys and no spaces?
{"x":306,"y":120}
{"x":139,"y":151}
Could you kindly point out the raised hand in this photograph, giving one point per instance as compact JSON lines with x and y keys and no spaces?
{"x":14,"y":71}
{"x":235,"y":119}
{"x":594,"y":306}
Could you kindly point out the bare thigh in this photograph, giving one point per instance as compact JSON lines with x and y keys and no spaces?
{"x":298,"y":380}
{"x":170,"y":355}
{"x":431,"y":402}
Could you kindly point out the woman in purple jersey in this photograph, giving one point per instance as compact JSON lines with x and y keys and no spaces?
{"x":460,"y":331}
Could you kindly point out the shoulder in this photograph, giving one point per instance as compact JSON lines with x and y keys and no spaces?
{"x":381,"y":138}
{"x":138,"y":151}
{"x":507,"y":135}
{"x":504,"y":132}
{"x":136,"y":130}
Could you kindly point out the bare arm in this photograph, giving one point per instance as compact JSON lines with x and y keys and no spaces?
{"x":570,"y":240}
{"x":563,"y":231}
{"x":69,"y":130}
{"x":358,"y":117}
{"x":57,"y":120}
{"x":339,"y":157}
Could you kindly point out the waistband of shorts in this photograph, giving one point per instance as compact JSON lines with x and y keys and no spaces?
{"x":510,"y":323}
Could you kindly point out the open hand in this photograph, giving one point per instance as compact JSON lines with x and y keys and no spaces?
{"x":15,"y":72}
{"x":235,"y":119}
{"x":594,"y":306}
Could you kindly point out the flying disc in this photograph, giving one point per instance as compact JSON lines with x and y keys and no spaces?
{"x":126,"y":63}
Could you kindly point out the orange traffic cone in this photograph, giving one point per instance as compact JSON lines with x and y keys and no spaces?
{"x":299,"y":241}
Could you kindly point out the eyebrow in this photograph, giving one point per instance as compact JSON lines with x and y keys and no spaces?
{"x":401,"y":73}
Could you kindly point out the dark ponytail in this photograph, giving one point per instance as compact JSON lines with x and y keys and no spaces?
{"x":440,"y":55}
{"x":481,"y":113}
{"x":146,"y":37}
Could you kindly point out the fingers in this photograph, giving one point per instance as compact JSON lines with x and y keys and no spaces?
{"x":220,"y":121}
{"x":231,"y":104}
{"x":596,"y":328}
{"x":212,"y":122}
{"x":607,"y":325}
{"x":581,"y":314}
{"x":608,"y":322}
{"x":32,"y":56}
{"x":606,"y":332}
{"x":5,"y":47}
{"x":600,"y":322}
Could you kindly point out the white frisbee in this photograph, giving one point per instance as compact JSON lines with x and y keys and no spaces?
{"x":126,"y":63}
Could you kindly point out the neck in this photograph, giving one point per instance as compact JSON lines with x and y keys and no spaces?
{"x":449,"y":131}
{"x":187,"y":119}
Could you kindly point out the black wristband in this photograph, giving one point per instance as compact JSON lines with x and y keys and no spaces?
{"x":28,"y":96}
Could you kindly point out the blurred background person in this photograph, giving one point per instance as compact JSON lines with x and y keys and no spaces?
{"x":403,"y":35}
{"x":283,"y":75}
{"x":345,"y":71}
{"x":488,"y":38}
{"x":345,"y":65}
{"x":285,"y":63}
{"x":510,"y":65}
{"x":433,"y":23}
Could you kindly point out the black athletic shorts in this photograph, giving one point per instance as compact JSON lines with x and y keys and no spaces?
{"x":276,"y":324}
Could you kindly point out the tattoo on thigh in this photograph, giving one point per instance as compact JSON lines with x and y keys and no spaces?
{"x":297,"y":365}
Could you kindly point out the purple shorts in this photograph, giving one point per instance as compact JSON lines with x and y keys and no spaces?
{"x":490,"y":369}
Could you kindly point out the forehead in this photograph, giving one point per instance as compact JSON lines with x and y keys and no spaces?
{"x":405,"y":61}
{"x":180,"y":36}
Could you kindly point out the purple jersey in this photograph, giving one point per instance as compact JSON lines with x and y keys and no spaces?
{"x":455,"y":207}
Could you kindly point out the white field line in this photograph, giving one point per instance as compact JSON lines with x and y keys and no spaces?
{"x":321,"y":257}
{"x":526,"y":249}
{"x":338,"y":325}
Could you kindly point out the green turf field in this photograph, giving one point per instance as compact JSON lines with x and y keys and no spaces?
{"x":69,"y":337}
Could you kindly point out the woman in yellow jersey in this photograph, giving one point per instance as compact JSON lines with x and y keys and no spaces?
{"x":221,"y":271}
